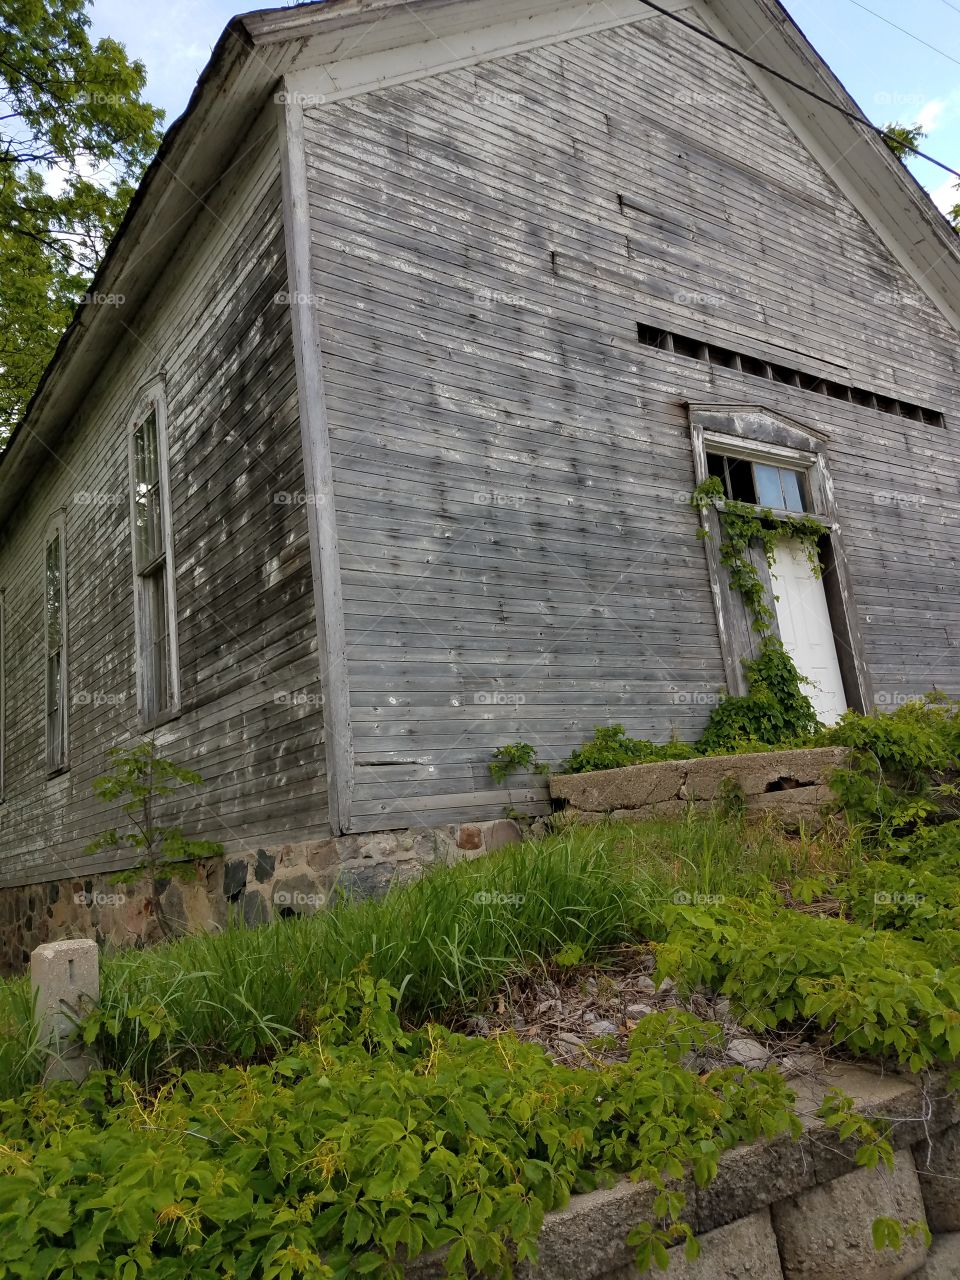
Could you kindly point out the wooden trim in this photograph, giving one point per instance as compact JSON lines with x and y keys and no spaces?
{"x":841,"y":603}
{"x":318,"y":77}
{"x":317,"y":469}
{"x":152,"y":397}
{"x":710,"y":523}
{"x":756,"y":450}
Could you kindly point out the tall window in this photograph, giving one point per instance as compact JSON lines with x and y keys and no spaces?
{"x":55,"y":636}
{"x":157,"y":691}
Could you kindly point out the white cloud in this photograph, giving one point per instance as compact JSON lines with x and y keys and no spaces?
{"x":946,"y":195}
{"x":928,"y":117}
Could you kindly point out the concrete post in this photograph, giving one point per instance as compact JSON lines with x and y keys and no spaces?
{"x":66,"y":982}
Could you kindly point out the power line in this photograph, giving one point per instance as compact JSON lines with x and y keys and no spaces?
{"x":858,"y":116}
{"x":904,"y":32}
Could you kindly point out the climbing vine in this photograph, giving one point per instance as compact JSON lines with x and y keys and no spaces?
{"x":775,"y":709}
{"x":743,"y":525}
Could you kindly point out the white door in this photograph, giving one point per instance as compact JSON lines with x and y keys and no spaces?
{"x":805,"y":629}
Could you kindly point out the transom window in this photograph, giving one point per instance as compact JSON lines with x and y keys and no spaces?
{"x":156,"y":630}
{"x":764,"y":484}
{"x":55,"y":678}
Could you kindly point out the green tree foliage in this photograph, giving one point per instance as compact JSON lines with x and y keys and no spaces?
{"x":75,"y":136}
{"x":901,"y":139}
{"x":142,"y":779}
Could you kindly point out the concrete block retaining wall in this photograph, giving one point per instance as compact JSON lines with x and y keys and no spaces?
{"x":792,"y":784}
{"x":254,"y":887}
{"x":787,"y":1210}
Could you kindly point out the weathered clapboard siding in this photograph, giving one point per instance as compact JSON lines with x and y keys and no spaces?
{"x":511,"y":466}
{"x":218,"y":325}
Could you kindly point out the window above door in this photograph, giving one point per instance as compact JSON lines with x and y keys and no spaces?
{"x":766,"y":484}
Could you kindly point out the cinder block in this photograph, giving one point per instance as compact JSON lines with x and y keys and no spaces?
{"x":943,"y":1261}
{"x":938,"y":1166}
{"x":742,"y":1250}
{"x":826,"y":1233}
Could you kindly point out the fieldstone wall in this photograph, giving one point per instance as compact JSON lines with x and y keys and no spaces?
{"x":785,"y":1209}
{"x":792,"y":784}
{"x":255,"y":887}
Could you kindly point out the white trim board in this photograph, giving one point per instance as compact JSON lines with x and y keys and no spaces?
{"x":317,"y":472}
{"x":334,"y":80}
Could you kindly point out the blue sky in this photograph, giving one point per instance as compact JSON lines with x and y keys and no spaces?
{"x":892,"y":76}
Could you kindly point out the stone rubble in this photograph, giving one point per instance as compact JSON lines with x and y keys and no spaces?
{"x":584,"y":1016}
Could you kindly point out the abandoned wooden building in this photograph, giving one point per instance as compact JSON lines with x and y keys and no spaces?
{"x":371,"y":448}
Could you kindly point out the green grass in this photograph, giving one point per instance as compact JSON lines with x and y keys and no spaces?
{"x":445,"y":942}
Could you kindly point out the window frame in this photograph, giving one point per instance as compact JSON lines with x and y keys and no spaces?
{"x":56,"y":762}
{"x":716,"y":447}
{"x":755,"y":434}
{"x":153,"y":402}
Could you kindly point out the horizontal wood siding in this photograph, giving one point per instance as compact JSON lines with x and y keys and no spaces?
{"x":252,"y":720}
{"x":512,"y":468}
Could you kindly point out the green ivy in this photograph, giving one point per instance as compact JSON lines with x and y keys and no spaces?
{"x":372,"y":1145}
{"x":610,"y":748}
{"x":743,"y":526}
{"x":875,"y":992}
{"x":774,"y":711}
{"x":515,"y":757}
{"x":904,"y":763}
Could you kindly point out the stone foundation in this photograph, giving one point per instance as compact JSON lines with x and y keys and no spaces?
{"x":255,"y":887}
{"x":785,"y":1209}
{"x":794,"y":785}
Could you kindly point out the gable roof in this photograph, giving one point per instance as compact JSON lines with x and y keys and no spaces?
{"x":258,"y":50}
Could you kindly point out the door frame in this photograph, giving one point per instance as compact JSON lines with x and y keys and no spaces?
{"x":757,"y":435}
